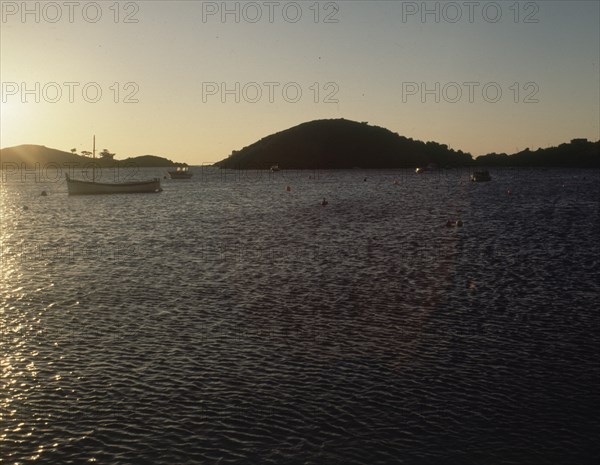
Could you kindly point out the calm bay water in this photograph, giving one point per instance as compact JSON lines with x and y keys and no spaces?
{"x":226,"y":320}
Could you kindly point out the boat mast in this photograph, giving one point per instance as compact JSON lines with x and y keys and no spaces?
{"x":94,"y":162}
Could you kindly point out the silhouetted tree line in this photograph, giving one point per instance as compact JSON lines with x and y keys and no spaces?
{"x":578,"y":153}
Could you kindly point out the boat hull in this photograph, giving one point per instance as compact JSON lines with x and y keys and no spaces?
{"x":481,"y":176}
{"x":76,"y":187}
{"x":180,"y":175}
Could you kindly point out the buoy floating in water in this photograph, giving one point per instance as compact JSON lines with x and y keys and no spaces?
{"x":25,"y":207}
{"x":324,"y":202}
{"x":44,"y":194}
{"x":288,"y":188}
{"x":459,"y":223}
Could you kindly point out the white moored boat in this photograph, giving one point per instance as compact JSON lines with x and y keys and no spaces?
{"x":77,"y":187}
{"x":181,"y":173}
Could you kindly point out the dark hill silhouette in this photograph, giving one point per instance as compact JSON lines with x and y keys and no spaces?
{"x":579,"y":153}
{"x":30,"y":155}
{"x":341,"y":144}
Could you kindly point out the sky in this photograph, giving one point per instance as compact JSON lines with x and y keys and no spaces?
{"x":194,"y":81}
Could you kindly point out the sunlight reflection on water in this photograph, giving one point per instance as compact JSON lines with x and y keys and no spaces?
{"x":229,"y":318}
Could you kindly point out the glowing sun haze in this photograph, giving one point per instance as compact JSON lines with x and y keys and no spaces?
{"x":193,"y":81}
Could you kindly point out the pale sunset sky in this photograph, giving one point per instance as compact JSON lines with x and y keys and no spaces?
{"x":193,"y":81}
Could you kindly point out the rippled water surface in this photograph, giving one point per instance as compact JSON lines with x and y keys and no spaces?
{"x":227,"y":320}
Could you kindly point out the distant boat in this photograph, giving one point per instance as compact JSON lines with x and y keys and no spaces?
{"x":181,"y":173}
{"x":77,"y":187}
{"x":275,"y":168}
{"x":481,"y":176}
{"x":424,"y":169}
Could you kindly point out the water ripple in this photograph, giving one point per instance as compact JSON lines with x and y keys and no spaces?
{"x":227,"y":320}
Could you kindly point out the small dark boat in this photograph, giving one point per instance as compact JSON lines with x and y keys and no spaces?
{"x":481,"y":176}
{"x":181,"y":173}
{"x":425,"y":169}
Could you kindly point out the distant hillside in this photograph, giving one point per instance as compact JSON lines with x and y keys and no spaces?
{"x":30,"y":155}
{"x":341,"y":144}
{"x":579,"y":153}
